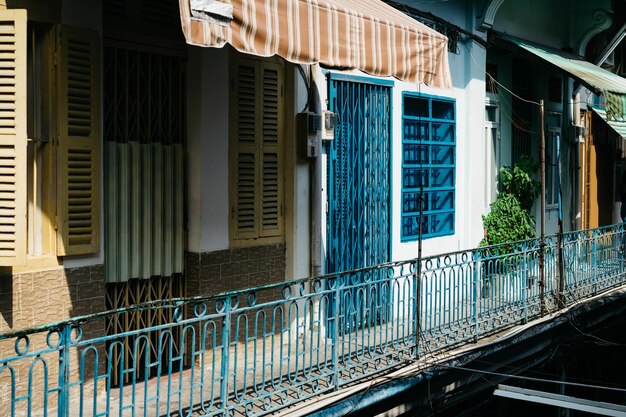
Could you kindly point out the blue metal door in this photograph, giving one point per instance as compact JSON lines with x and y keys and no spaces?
{"x":359,"y":183}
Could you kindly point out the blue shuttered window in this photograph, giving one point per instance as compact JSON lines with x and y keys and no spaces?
{"x":428,"y":165}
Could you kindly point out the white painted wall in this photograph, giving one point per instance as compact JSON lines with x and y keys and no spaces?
{"x":207,"y":149}
{"x":471,"y":156}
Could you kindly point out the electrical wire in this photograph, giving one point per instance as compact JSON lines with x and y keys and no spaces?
{"x":496,"y":81}
{"x":529,"y":378}
{"x":599,"y":340}
{"x":593,"y":381}
{"x":501,"y":99}
{"x":307,"y":83}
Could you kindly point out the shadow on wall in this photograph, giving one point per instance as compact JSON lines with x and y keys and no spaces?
{"x":6,"y":298}
{"x":38,"y":298}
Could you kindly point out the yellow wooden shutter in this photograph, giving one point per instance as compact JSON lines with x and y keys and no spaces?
{"x":244,"y":194}
{"x":78,"y":123}
{"x":13,"y":44}
{"x":257,"y":104}
{"x":271,"y":190}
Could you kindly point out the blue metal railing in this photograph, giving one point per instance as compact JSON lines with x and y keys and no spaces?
{"x":255,"y":351}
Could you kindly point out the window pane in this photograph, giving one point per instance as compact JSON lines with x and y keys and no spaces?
{"x":442,"y":200}
{"x":443,"y":110}
{"x":443,"y":132}
{"x":410,"y":226}
{"x":442,"y":177}
{"x":491,"y":114}
{"x":416,"y":131}
{"x":415,"y":154}
{"x":410,"y":202}
{"x":442,"y":155}
{"x":442,"y":223}
{"x":414,"y":178}
{"x":415,"y":106}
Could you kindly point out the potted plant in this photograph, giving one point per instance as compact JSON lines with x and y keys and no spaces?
{"x":509,"y":220}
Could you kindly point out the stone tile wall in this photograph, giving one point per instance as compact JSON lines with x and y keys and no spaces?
{"x":234,"y":269}
{"x":38,"y":298}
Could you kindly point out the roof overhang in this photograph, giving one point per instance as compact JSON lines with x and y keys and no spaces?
{"x":367,"y":35}
{"x":597,"y":79}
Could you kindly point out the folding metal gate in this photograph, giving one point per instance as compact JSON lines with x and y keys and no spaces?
{"x":358,"y":220}
{"x":359,"y":175}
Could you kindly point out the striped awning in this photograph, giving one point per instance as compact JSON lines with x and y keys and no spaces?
{"x":618,"y":126}
{"x":367,"y":35}
{"x":597,"y":79}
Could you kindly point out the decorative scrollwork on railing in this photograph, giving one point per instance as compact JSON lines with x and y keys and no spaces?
{"x":267,"y":347}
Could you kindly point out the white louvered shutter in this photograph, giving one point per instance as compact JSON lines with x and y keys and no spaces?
{"x":13,"y":137}
{"x":78,"y":123}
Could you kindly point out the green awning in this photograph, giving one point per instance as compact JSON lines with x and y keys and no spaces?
{"x":618,"y":126}
{"x":599,"y":80}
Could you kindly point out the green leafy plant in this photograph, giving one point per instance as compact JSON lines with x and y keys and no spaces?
{"x":509,"y":217}
{"x":507,"y":221}
{"x":520,"y":182}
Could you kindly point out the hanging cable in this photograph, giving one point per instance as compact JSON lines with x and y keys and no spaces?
{"x":529,"y":378}
{"x":307,"y":83}
{"x":496,"y":81}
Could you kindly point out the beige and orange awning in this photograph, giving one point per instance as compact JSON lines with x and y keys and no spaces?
{"x":368,"y":35}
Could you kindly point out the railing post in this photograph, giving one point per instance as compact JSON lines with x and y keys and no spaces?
{"x":594,"y":261}
{"x":64,"y":370}
{"x":336,"y":307}
{"x":225,"y":354}
{"x":525,"y":281}
{"x":475,"y":278}
{"x":559,"y":244}
{"x":417,"y":294}
{"x":542,"y":241}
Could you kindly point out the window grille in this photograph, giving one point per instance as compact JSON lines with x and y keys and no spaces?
{"x":428,"y":166}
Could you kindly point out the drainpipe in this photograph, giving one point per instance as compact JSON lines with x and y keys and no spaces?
{"x":315,"y":181}
{"x":315,"y":176}
{"x":542,"y":244}
{"x":576,"y":195}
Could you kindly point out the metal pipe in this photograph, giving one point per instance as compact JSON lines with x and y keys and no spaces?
{"x":576,"y":190}
{"x":418,"y":281}
{"x":315,"y":179}
{"x":542,"y":242}
{"x":610,"y":47}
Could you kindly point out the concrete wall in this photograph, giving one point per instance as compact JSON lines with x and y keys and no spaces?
{"x":544,"y":21}
{"x":207,"y":149}
{"x":208,"y":170}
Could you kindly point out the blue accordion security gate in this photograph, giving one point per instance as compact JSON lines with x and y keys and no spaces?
{"x":358,"y":220}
